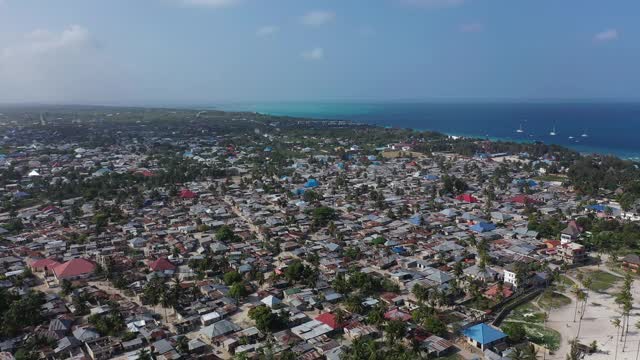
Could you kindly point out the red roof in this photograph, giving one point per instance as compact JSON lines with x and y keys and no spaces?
{"x":44,"y":264}
{"x":73,"y":268}
{"x":187,"y":194}
{"x":522,"y":199}
{"x":162,"y":264}
{"x":493,"y":292}
{"x":396,"y":314}
{"x":329,"y":319}
{"x":467,"y":198}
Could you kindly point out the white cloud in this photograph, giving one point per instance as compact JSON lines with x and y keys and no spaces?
{"x":318,"y":17}
{"x":267,"y":31}
{"x":472,"y":28}
{"x":314,"y":54}
{"x":607,"y":35}
{"x":63,"y":66}
{"x":211,"y":3}
{"x":434,"y":3}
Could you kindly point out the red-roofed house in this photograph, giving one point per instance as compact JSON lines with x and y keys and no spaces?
{"x":187,"y":194}
{"x":494,"y":290}
{"x":330,"y":320}
{"x":74,"y":269}
{"x":396,"y":314}
{"x":162,"y":264}
{"x":44,"y":265}
{"x":468,"y":198}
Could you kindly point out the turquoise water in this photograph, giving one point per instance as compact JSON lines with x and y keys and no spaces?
{"x":610,"y":128}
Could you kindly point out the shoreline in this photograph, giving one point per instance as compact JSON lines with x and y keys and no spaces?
{"x":583,"y":150}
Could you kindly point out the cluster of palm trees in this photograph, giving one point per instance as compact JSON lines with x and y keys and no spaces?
{"x":625,"y":300}
{"x":157,"y":292}
{"x":529,"y":352}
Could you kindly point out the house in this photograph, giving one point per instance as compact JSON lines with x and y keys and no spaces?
{"x":468,"y":198}
{"x":436,"y":346}
{"x":271,"y":301}
{"x":74,"y":269}
{"x":162,"y":265}
{"x":187,"y":194}
{"x":631,"y":262}
{"x":330,"y":320}
{"x":44,"y":265}
{"x":482,"y":227}
{"x":571,"y":232}
{"x":509,"y":274}
{"x":311,"y":329}
{"x":483,"y":336}
{"x":223,"y":327}
{"x":572,"y":253}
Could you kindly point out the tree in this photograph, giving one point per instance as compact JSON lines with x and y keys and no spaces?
{"x":395,"y":330}
{"x":66,"y":287}
{"x":515,"y":332}
{"x":232,"y":277}
{"x":266,"y":321}
{"x":144,"y":354}
{"x":237,"y":291}
{"x":420,"y":292}
{"x":616,"y":324}
{"x":574,"y":350}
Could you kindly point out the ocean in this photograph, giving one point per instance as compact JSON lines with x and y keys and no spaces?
{"x":605,"y":128}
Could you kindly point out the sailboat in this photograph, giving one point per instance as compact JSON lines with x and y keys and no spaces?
{"x":570,"y":137}
{"x":553,"y":132}
{"x":520,"y":129}
{"x":584,"y":134}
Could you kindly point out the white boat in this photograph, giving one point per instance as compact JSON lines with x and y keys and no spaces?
{"x":584,"y":134}
{"x":570,"y":137}
{"x":553,"y":132}
{"x":520,"y":129}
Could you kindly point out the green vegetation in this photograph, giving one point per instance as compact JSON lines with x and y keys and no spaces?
{"x":602,"y":280}
{"x":266,"y":320}
{"x":552,"y":300}
{"x":19,"y":312}
{"x":108,"y":325}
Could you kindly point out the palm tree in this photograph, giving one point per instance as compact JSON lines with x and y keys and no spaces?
{"x":517,"y":354}
{"x":616,"y":324}
{"x":144,"y":354}
{"x":530,"y":352}
{"x":165,"y":302}
{"x":578,"y":294}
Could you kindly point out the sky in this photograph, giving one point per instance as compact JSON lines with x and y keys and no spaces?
{"x":199,"y":52}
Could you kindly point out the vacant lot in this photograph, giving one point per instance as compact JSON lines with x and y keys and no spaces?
{"x":601,"y":280}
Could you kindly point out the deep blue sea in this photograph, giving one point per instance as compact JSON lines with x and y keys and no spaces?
{"x":608,"y":128}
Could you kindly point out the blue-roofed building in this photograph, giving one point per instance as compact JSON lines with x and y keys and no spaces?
{"x":311,"y":183}
{"x":483,"y":336}
{"x":416,"y":220}
{"x":268,"y":149}
{"x":482,"y":227}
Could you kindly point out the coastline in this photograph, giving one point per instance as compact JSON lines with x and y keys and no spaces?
{"x":324,"y":111}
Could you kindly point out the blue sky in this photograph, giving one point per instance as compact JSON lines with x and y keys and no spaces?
{"x":209,"y":51}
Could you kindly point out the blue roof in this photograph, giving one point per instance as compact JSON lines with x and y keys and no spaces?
{"x":311,"y":183}
{"x":598,"y":208}
{"x":483,"y":227}
{"x":483,"y":333}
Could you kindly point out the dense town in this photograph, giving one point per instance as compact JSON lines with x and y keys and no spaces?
{"x":178,"y":234}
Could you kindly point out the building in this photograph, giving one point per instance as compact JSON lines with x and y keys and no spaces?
{"x":631,"y":263}
{"x":483,"y":336}
{"x":572,"y":253}
{"x":74,"y":269}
